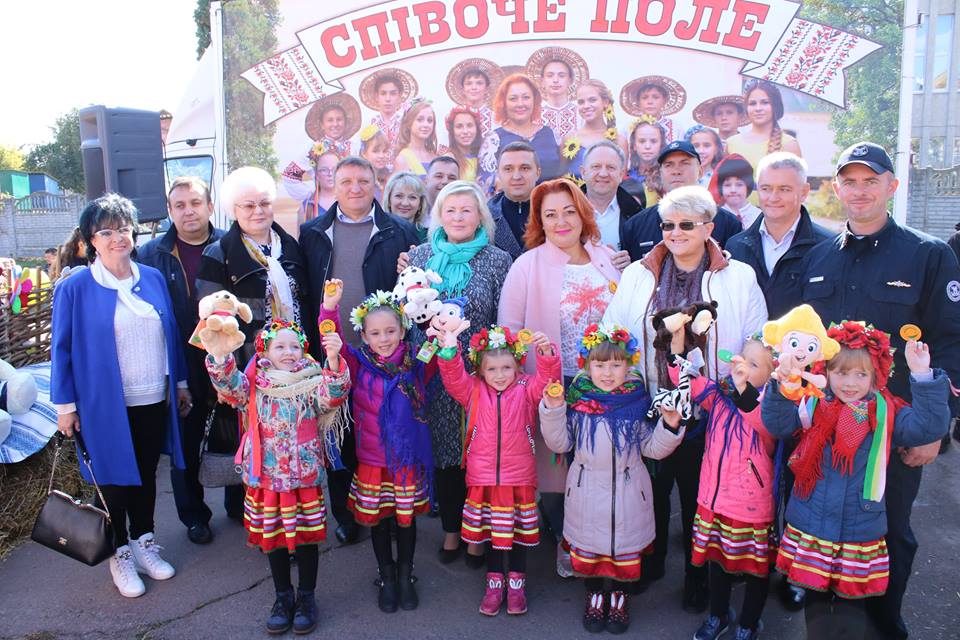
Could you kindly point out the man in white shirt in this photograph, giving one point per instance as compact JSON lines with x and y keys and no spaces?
{"x":603,"y":166}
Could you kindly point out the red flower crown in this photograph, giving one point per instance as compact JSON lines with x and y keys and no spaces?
{"x":859,"y":335}
{"x":270,"y":332}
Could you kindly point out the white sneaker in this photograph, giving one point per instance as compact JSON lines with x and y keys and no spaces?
{"x":146,"y":555}
{"x":124,"y":572}
{"x":564,"y":566}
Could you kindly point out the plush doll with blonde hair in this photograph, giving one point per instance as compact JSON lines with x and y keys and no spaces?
{"x":800,"y":341}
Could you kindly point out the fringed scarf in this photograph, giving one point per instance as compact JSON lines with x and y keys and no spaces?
{"x":622,"y":410}
{"x":404,"y":433}
{"x":845,"y":426}
{"x":298,"y":386}
{"x":282,"y":305}
{"x":732,"y":424}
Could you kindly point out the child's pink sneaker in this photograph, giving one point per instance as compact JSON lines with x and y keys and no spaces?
{"x":493,"y":598}
{"x":516,"y":594}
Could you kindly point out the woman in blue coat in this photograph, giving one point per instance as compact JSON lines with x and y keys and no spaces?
{"x":118,"y":378}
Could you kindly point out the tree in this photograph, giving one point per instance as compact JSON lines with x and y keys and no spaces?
{"x":873,"y":84}
{"x":11,"y":158}
{"x":61,"y":158}
{"x":201,"y":15}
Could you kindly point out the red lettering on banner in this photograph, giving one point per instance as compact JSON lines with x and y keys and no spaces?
{"x":362,"y":25}
{"x":546,"y":24}
{"x":519,"y":16}
{"x":660,"y":27}
{"x":688,"y":30}
{"x":747,"y":15}
{"x":620,"y":23}
{"x":483,"y":23}
{"x":399,"y":16}
{"x":600,"y":24}
{"x":338,"y":32}
{"x":433,"y":29}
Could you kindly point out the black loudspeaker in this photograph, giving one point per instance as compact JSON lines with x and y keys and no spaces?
{"x":122,"y":153}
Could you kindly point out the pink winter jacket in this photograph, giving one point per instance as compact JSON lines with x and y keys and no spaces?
{"x":499,"y":444}
{"x":738,"y":484}
{"x":531,"y":299}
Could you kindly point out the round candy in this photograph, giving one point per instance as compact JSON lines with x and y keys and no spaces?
{"x":331,"y":289}
{"x":525,"y":336}
{"x":724,"y":355}
{"x":910,"y":332}
{"x":613,"y":287}
{"x":327,"y":326}
{"x":554,"y":389}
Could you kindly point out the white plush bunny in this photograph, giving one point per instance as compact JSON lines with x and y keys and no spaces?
{"x":414,"y":289}
{"x":18,"y":392}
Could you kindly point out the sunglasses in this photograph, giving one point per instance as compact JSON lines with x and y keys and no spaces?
{"x":686,"y":225}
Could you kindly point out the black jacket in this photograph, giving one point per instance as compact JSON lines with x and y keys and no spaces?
{"x":158,"y":253}
{"x":226,"y":264}
{"x":781,"y":289}
{"x":629,"y":207}
{"x":642,"y":232}
{"x":894,"y":277}
{"x":393,"y":237}
{"x":503,"y":237}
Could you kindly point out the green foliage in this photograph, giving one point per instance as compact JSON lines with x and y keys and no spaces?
{"x":873,"y":84}
{"x":61,"y":158}
{"x":249,"y":38}
{"x":11,"y":158}
{"x":201,"y":15}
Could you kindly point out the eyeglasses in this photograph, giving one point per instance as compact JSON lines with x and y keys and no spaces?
{"x":250,"y":207}
{"x":686,"y":225}
{"x":110,"y":234}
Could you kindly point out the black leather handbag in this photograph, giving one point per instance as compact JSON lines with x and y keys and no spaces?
{"x":76,"y":529}
{"x":218,"y":449}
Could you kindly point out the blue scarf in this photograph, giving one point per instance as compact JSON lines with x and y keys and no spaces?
{"x":452,"y":261}
{"x":622,"y":410}
{"x":404,"y":433}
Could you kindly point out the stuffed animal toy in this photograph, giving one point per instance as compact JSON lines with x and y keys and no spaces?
{"x":800,"y":341}
{"x":18,"y":392}
{"x":218,"y":331}
{"x":419,"y":298}
{"x":697,"y":318}
{"x":448,"y":318}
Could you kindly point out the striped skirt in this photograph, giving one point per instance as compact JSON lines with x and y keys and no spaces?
{"x":375,"y":494}
{"x":286,"y":519}
{"x":504,"y":516}
{"x":738,"y":547}
{"x":849,"y":569}
{"x":623,"y":567}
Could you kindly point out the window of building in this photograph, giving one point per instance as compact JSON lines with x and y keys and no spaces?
{"x":956,"y":152}
{"x":920,"y":55}
{"x":915,"y":151}
{"x":942,"y":48}
{"x":935,"y":152}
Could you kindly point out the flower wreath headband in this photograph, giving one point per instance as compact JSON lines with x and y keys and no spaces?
{"x":497,"y":337}
{"x":595,"y":335}
{"x":859,"y":335}
{"x":375,"y":301}
{"x":270,"y":332}
{"x":644,"y":119}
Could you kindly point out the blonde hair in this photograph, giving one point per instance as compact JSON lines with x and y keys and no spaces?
{"x":243,"y":179}
{"x":458,"y":187}
{"x":692,"y":199}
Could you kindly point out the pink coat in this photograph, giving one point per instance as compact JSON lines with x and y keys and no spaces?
{"x":499,"y":444}
{"x":531,"y":299}
{"x":738,"y":484}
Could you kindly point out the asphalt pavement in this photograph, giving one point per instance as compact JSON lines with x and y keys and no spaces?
{"x":223,"y":590}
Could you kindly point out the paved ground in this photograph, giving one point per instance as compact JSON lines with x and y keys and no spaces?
{"x":224,"y":590}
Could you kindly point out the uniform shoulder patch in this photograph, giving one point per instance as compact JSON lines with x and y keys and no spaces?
{"x":953,"y":291}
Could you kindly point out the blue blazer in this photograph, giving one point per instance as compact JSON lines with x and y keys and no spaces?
{"x":85,"y":370}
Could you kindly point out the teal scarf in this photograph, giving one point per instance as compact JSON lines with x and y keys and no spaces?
{"x":452,"y":261}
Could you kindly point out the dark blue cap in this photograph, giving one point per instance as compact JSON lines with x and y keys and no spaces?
{"x":681,"y":146}
{"x":866,"y":153}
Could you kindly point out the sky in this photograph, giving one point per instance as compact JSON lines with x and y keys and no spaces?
{"x":63,"y":54}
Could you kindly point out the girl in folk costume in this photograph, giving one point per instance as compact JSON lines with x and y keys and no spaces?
{"x":647,"y":139}
{"x":395,"y":460}
{"x":764,"y":106}
{"x":288,"y":405}
{"x":733,"y":526}
{"x":501,"y":405}
{"x":833,"y":544}
{"x":608,"y":519}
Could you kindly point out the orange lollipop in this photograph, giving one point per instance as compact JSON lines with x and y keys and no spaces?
{"x":525,"y":336}
{"x":554,"y":389}
{"x":327,"y":326}
{"x":910,"y":332}
{"x":331,"y":288}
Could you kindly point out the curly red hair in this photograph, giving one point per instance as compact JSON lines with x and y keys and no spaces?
{"x":534,"y":235}
{"x":499,"y":102}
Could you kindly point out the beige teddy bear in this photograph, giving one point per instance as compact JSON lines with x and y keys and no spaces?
{"x":219,"y":332}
